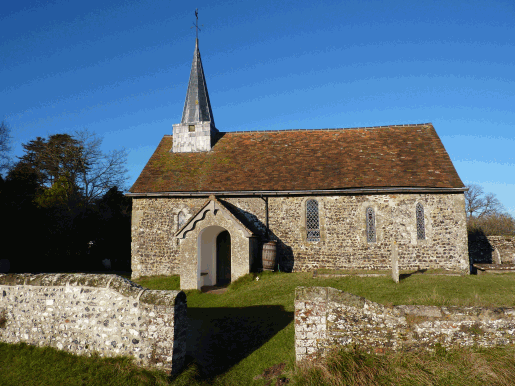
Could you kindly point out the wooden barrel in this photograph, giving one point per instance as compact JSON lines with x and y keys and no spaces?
{"x":269,"y":255}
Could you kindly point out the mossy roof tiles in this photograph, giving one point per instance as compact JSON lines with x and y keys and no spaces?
{"x":377,"y":157}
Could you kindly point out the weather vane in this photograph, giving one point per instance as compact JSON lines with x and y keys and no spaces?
{"x":196,"y":22}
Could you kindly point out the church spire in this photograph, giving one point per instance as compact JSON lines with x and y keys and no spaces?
{"x":197,"y":107}
{"x":197,"y":131}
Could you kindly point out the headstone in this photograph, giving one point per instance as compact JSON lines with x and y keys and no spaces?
{"x":395,"y":263}
{"x":497,"y":256}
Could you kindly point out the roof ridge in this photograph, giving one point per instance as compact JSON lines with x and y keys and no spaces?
{"x":323,"y":129}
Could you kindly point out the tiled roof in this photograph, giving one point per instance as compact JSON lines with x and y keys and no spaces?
{"x":376,"y":157}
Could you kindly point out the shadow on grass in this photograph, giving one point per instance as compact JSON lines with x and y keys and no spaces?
{"x":403,"y":276}
{"x":218,"y":338}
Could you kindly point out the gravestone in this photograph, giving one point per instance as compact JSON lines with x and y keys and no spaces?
{"x":395,"y":263}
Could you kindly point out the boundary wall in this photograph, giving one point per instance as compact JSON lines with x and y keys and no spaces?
{"x":86,"y":313}
{"x":327,"y":318}
{"x":491,"y":249}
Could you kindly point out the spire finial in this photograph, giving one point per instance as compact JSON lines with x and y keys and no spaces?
{"x":196,"y":22}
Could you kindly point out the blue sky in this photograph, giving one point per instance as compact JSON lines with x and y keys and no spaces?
{"x":120,"y":69}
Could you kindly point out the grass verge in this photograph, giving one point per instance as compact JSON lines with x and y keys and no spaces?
{"x":463,"y":367}
{"x":22,"y":364}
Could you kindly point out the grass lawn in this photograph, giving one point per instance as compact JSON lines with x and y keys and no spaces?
{"x":245,"y":336}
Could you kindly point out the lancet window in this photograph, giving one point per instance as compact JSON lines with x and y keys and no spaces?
{"x":421,"y":229}
{"x":312,"y":221}
{"x":371,"y":225}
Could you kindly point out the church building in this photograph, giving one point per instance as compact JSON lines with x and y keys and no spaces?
{"x":207,"y":200}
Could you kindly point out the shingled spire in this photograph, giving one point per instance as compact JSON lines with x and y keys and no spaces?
{"x":197,"y":131}
{"x":197,"y":107}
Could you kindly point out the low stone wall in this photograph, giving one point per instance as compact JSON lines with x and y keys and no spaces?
{"x":86,"y":313}
{"x":504,"y":248}
{"x":326,"y":318}
{"x":491,"y":249}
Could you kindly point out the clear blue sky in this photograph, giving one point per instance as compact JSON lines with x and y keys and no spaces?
{"x":121,"y":69}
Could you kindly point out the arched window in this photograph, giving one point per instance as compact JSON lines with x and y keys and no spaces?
{"x":371,"y":225}
{"x":181,"y":219}
{"x":421,"y":229}
{"x":312,"y":223}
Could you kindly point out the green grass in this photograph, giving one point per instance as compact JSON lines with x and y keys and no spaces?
{"x":386,"y":272}
{"x":22,"y":364}
{"x":240,"y":334}
{"x":465,"y":367}
{"x":159,"y":282}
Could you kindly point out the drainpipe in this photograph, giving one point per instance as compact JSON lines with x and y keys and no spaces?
{"x":265,"y":199}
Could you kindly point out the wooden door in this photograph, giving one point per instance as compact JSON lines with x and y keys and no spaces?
{"x":223,"y":258}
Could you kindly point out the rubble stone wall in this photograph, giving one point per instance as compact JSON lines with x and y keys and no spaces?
{"x":327,"y":318}
{"x":492,"y":249}
{"x":154,"y":222}
{"x":343,"y":239}
{"x":343,"y":242}
{"x":86,"y":313}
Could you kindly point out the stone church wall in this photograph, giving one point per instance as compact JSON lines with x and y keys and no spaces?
{"x":154,"y":222}
{"x":327,"y":318}
{"x":85,"y":313}
{"x":343,"y":243}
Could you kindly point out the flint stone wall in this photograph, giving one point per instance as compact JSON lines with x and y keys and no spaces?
{"x":86,"y":313}
{"x":492,"y":249}
{"x":343,"y":243}
{"x":327,"y":318}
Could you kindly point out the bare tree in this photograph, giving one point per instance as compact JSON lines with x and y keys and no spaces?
{"x":4,"y":146}
{"x":478,"y":205}
{"x":101,"y":171}
{"x":494,"y":224}
{"x":492,"y":206}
